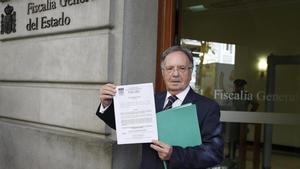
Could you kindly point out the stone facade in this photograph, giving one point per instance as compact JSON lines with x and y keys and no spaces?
{"x":50,"y":78}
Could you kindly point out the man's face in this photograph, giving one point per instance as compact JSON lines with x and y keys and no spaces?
{"x":176,"y":72}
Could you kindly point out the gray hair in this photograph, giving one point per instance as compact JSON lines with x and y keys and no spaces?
{"x":172,"y":49}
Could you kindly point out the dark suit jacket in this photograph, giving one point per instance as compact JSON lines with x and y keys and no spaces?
{"x":209,"y":154}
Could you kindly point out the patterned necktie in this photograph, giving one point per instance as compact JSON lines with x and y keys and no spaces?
{"x":171,"y":99}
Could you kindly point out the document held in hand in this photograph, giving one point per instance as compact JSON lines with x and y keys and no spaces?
{"x":179,"y":126}
{"x":135,"y":114}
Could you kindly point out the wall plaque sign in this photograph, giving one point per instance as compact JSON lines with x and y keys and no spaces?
{"x":23,"y":18}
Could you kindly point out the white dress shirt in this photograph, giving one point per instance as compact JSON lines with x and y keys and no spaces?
{"x":180,"y":97}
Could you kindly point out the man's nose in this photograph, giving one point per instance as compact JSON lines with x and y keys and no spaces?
{"x":175,"y":72}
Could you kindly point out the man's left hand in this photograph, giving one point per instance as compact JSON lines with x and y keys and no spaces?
{"x":164,"y":150}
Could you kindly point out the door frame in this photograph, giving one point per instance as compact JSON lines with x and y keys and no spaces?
{"x":273,"y":61}
{"x":166,"y":29}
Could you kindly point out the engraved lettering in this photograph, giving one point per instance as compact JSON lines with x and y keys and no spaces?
{"x":65,"y":3}
{"x":32,"y":25}
{"x":36,"y":8}
{"x":55,"y":22}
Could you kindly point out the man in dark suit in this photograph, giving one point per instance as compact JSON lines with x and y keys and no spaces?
{"x":176,"y":66}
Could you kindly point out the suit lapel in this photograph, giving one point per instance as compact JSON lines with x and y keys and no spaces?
{"x":159,"y":101}
{"x":189,"y":98}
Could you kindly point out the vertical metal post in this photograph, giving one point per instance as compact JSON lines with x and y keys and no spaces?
{"x":268,"y":128}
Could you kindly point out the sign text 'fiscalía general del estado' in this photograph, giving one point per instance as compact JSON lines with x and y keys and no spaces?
{"x":28,"y":18}
{"x":45,"y":21}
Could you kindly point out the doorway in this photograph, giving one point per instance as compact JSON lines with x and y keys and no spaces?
{"x":248,"y":31}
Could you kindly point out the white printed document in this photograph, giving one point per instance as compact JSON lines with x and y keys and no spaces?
{"x":135,"y":114}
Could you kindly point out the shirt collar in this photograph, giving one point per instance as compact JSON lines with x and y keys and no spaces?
{"x":180,"y":95}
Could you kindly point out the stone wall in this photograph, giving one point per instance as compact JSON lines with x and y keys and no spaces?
{"x":50,"y":79}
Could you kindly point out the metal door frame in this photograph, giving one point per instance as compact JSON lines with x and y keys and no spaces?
{"x":273,"y":61}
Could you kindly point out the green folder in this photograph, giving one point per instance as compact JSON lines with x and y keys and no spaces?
{"x":179,"y":126}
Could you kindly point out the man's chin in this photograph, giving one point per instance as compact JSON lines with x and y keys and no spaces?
{"x":174,"y":86}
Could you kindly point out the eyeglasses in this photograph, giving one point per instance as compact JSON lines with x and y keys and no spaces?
{"x":180,"y":69}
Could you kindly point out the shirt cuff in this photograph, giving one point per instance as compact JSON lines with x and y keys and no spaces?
{"x":102,"y":109}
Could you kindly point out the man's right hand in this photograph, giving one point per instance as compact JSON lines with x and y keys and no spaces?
{"x":106,"y":94}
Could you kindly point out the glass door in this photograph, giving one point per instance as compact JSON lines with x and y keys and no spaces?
{"x":231,"y":41}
